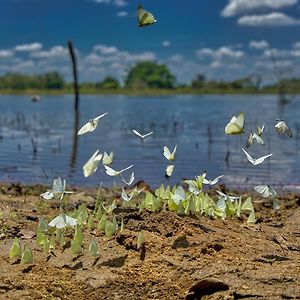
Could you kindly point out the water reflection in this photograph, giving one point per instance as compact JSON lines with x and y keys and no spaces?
{"x":37,"y":139}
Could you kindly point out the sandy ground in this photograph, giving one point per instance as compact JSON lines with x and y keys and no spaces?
{"x":183,"y":257}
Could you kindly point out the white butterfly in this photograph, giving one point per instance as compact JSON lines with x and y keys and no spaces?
{"x":58,"y":190}
{"x":63,"y":221}
{"x":210,"y":182}
{"x":236,"y":124}
{"x":91,"y":125}
{"x":227,"y":197}
{"x":126,"y":197}
{"x":252,"y":137}
{"x":112,"y":172}
{"x":195,"y":186}
{"x":179,"y":194}
{"x":265,"y":190}
{"x":136,"y":192}
{"x":131,"y":179}
{"x":169,"y":170}
{"x":167,"y":153}
{"x":108,"y":158}
{"x":142,"y":136}
{"x":282,"y":127}
{"x":91,"y":166}
{"x":254,"y":161}
{"x":260,"y":130}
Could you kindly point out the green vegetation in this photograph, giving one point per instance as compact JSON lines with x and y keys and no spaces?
{"x":146,"y":78}
{"x":149,"y":75}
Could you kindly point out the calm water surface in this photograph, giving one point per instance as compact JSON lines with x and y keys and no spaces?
{"x":196,"y":123}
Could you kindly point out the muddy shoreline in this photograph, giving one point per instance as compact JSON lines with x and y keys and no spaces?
{"x":184,"y":257}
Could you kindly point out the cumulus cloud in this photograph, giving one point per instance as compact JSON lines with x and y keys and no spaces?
{"x":223,"y":63}
{"x":236,"y":7}
{"x":120,"y":3}
{"x":54,"y":52}
{"x":222,"y":52}
{"x":29,"y":47}
{"x":122,"y":14}
{"x":273,"y":19}
{"x":111,"y":60}
{"x":166,"y":44}
{"x":259,"y":45}
{"x":104,"y":49}
{"x":296,"y":45}
{"x":6,"y":53}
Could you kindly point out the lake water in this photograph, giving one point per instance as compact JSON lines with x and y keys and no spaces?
{"x":194,"y":122}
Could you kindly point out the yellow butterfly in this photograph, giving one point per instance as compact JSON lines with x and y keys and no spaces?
{"x":236,"y":125}
{"x":144,"y":17}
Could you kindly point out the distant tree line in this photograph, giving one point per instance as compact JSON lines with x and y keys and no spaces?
{"x":146,"y":75}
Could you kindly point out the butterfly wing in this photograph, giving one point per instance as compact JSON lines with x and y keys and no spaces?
{"x":236,"y":125}
{"x":261,"y":159}
{"x":125,"y":197}
{"x":260,"y":130}
{"x":147,"y":134}
{"x":240,"y":120}
{"x":258,"y":139}
{"x":288,"y":131}
{"x":179,"y":195}
{"x":215,"y":181}
{"x":167,"y":153}
{"x":57,"y":186}
{"x":125,"y":169}
{"x":111,"y":172}
{"x":57,"y":222}
{"x":47,"y":195}
{"x":263,"y":190}
{"x":108,"y":159}
{"x":85,"y":128}
{"x":70,"y":221}
{"x":140,"y":13}
{"x":137,"y":133}
{"x":169,"y":170}
{"x":90,"y":167}
{"x":99,"y":117}
{"x":144,"y":17}
{"x":130,"y":181}
{"x":173,"y":153}
{"x":249,"y":140}
{"x":249,"y":157}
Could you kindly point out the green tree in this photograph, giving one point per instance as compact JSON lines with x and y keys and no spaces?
{"x":53,"y":81}
{"x":108,"y":83}
{"x":149,"y":75}
{"x":199,"y":82}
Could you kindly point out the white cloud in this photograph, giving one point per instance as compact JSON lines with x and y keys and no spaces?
{"x":295,"y":53}
{"x":223,"y":63}
{"x":6,"y":53}
{"x":297,"y":45}
{"x":166,"y":44}
{"x":259,"y":44}
{"x":222,"y":52}
{"x":54,"y":52}
{"x":236,"y":7}
{"x":273,"y":19}
{"x":23,"y":67}
{"x":122,"y":14}
{"x":120,"y":3}
{"x":104,"y":49}
{"x":216,"y":64}
{"x":176,"y":58}
{"x":29,"y":47}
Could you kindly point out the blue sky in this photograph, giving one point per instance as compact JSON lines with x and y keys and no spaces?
{"x":223,"y":39}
